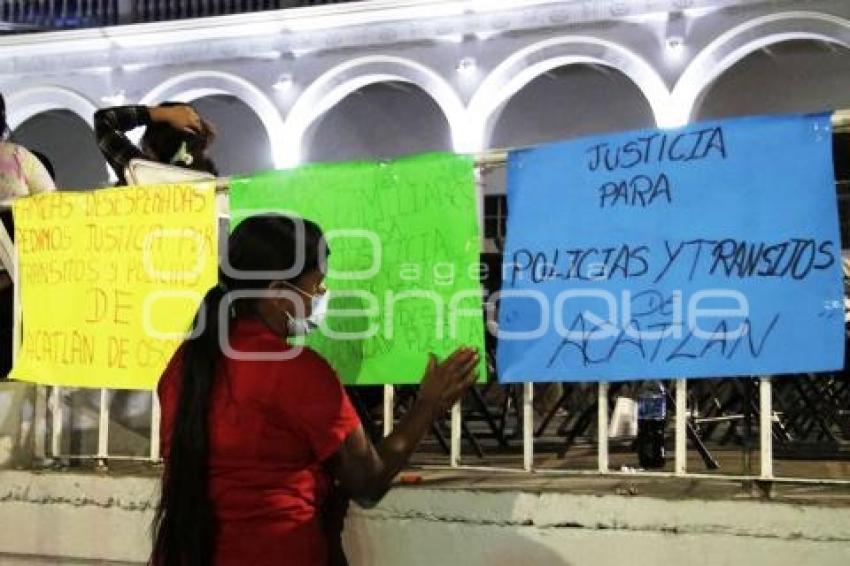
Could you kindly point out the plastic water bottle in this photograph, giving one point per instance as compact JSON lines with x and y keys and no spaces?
{"x":652,"y":420}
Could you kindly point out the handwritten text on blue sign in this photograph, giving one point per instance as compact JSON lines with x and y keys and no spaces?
{"x":706,"y":251}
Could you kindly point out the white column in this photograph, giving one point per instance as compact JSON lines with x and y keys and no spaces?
{"x":602,"y":427}
{"x":39,"y":422}
{"x":454,"y":455}
{"x":389,"y":405}
{"x":56,"y":422}
{"x":528,"y":426}
{"x":156,"y":420}
{"x":766,"y":427}
{"x":681,"y":461}
{"x":103,"y":428}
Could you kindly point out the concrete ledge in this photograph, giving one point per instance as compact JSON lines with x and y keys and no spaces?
{"x":85,"y":517}
{"x":80,"y":518}
{"x":428,"y":543}
{"x":745,"y":518}
{"x":600,"y":522}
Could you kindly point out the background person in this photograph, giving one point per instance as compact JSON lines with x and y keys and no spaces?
{"x":174,"y":135}
{"x":21,"y":174}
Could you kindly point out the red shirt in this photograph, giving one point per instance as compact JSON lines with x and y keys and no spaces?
{"x":272,"y":425}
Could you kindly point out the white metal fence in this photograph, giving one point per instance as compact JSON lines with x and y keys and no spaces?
{"x":48,"y":410}
{"x":49,"y":424}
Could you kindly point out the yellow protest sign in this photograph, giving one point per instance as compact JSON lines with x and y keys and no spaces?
{"x":110,"y":281}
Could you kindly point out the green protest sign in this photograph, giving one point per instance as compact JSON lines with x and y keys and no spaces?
{"x":403,"y":269}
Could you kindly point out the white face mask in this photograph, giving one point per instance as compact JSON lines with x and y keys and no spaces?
{"x":318,"y":309}
{"x":318,"y":312}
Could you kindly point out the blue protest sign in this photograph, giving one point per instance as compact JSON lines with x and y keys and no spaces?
{"x":710,"y":250}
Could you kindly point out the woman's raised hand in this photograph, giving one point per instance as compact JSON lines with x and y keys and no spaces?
{"x":182,"y":117}
{"x":445,"y":382}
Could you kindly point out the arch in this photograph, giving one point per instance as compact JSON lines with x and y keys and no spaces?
{"x":24,"y":104}
{"x":69,"y":144}
{"x":744,"y":39}
{"x":344,"y":79}
{"x":190,"y":86}
{"x":532,"y":61}
{"x":245,"y":147}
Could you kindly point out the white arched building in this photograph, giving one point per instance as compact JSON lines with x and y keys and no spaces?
{"x":380,"y":78}
{"x":292,"y":68}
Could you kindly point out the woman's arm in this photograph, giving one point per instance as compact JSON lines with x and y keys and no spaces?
{"x":366,"y":472}
{"x":110,"y":127}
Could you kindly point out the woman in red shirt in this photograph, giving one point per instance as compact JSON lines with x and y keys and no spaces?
{"x":257,"y":435}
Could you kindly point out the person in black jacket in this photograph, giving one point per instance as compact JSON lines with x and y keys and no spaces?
{"x":174,"y":135}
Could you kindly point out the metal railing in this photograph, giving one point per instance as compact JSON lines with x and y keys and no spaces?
{"x":49,"y":432}
{"x":31,"y":15}
{"x":760,"y":405}
{"x":42,"y":15}
{"x":160,"y":10}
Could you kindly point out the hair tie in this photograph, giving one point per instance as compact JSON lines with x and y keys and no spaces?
{"x":182,"y":156}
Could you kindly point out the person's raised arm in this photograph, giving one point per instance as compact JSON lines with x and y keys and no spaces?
{"x":112,"y":124}
{"x":364,"y":471}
